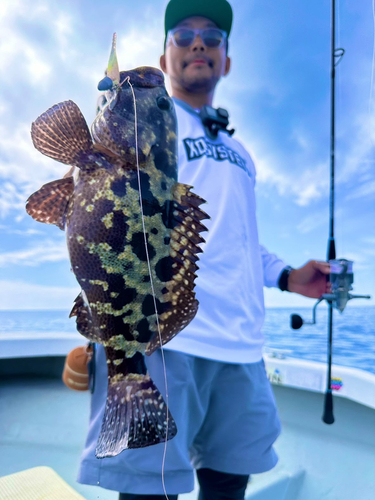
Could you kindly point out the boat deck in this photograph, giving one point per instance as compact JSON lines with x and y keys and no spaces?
{"x":44,"y":423}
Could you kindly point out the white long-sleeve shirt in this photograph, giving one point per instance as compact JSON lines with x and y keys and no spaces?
{"x":233,"y":267}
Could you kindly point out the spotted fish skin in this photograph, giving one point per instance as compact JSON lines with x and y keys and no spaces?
{"x":101,"y":213}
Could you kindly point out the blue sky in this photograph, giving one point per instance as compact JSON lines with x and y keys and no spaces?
{"x":277,"y":94}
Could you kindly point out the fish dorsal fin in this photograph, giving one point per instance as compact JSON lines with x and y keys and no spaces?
{"x":185,"y":239}
{"x":50,"y":203}
{"x":84,"y":320}
{"x":62,"y":134}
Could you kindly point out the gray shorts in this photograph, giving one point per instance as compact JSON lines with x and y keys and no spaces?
{"x":226,"y":419}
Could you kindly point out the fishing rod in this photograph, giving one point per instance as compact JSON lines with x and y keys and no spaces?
{"x":341,"y":274}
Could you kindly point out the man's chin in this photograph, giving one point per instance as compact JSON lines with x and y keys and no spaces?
{"x":199,"y":84}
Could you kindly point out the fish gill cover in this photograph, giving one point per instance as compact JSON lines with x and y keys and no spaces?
{"x":124,"y":195}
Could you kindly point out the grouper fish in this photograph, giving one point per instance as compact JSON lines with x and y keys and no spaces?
{"x":100,"y":210}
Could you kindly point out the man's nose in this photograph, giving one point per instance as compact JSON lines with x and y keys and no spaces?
{"x":198,"y":44}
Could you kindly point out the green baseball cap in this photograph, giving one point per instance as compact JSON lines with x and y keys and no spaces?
{"x":218,"y":11}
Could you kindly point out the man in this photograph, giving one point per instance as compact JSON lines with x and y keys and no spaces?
{"x":219,"y":394}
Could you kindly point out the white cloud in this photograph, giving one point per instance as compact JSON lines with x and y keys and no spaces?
{"x":23,"y":169}
{"x":23,"y":163}
{"x":9,"y":8}
{"x":300,"y":139}
{"x":302,"y":186}
{"x":27,"y":60}
{"x":10,"y":199}
{"x":140,"y":47}
{"x":369,"y":252}
{"x":23,"y":295}
{"x":39,"y":71}
{"x":312,"y":222}
{"x":19,"y":52}
{"x":63,"y":25}
{"x":370,"y":240}
{"x":307,"y":183}
{"x":365,"y":190}
{"x":360,"y":148}
{"x":3,"y":108}
{"x":22,"y":232}
{"x":45,"y":251}
{"x":316,"y":220}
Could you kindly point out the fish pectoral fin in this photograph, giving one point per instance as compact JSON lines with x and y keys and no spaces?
{"x":84,"y":320}
{"x":62,"y":134}
{"x":135,"y":416}
{"x":50,"y":203}
{"x":186,"y":222}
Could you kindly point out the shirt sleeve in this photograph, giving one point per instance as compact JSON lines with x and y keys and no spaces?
{"x":272,"y":267}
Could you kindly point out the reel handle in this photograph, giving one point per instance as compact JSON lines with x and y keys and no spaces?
{"x":296,"y":321}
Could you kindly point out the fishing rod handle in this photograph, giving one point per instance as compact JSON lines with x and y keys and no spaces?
{"x":328,"y":417}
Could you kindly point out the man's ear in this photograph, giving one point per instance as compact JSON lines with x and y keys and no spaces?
{"x":163,"y":65}
{"x":228,"y":63}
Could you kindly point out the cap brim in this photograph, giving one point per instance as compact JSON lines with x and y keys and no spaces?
{"x":218,"y":11}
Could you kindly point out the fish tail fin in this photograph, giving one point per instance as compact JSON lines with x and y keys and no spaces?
{"x":135,"y":416}
{"x":62,"y":134}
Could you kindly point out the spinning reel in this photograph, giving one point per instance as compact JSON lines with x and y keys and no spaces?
{"x":342,"y":278}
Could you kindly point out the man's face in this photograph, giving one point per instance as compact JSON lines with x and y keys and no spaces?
{"x":197,"y":68}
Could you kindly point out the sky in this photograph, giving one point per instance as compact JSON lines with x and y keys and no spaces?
{"x":278,"y":97}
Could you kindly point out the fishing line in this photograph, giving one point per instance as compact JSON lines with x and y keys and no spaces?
{"x":340,"y":230}
{"x":373,"y":64}
{"x":339,"y":67}
{"x":152,"y":287}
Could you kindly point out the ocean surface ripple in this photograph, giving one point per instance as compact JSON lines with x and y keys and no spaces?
{"x":353,"y":338}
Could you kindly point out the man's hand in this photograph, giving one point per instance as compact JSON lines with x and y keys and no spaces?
{"x":310,"y":280}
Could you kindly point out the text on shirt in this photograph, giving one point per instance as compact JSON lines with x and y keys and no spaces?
{"x":196,"y":148}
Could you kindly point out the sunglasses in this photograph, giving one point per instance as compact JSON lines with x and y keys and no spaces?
{"x":184,"y":37}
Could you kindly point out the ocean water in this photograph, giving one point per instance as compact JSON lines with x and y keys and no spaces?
{"x":353,"y":335}
{"x":353,"y":339}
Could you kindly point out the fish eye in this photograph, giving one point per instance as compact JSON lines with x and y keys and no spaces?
{"x":164,"y":103}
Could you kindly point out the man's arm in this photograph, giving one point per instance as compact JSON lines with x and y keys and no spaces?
{"x":309,"y":280}
{"x":272,"y":267}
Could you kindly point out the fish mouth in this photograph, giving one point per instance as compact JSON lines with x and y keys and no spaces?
{"x":144,"y":76}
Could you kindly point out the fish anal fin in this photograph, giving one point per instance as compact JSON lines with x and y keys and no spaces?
{"x":50,"y":203}
{"x":135,"y":416}
{"x":180,"y":303}
{"x":83,"y":319}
